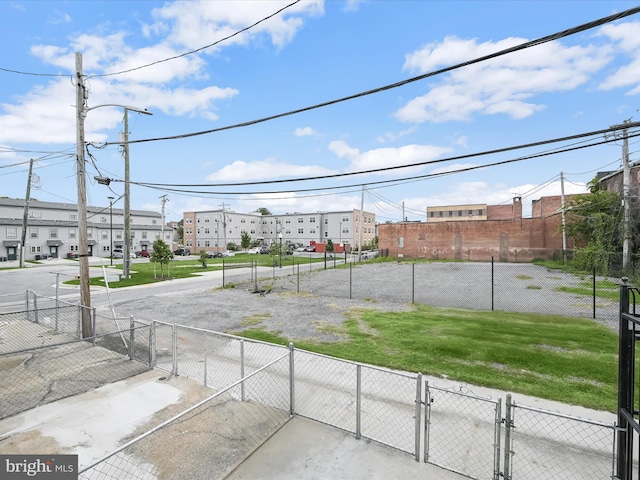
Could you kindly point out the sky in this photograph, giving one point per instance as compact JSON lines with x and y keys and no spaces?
{"x":214,"y":73}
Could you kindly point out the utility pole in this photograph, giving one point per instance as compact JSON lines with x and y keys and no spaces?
{"x":126,"y":256}
{"x":564,"y":221}
{"x":25,"y":216}
{"x":83,"y":251}
{"x":626,"y":180}
{"x":224,"y":226}
{"x":360,"y":228}
{"x":164,"y":200}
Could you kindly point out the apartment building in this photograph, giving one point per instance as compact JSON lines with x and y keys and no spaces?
{"x":213,"y":230}
{"x":52,"y":229}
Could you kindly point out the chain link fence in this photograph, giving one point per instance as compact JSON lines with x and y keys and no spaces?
{"x":542,"y":444}
{"x":489,"y":286}
{"x":260,"y":385}
{"x":195,"y":434}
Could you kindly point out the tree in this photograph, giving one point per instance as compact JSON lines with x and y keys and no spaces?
{"x":203,"y":258}
{"x":178,"y":234}
{"x":161,"y":254}
{"x":264,"y":211}
{"x":329,"y":247}
{"x":595,"y":223}
{"x":245,"y":240}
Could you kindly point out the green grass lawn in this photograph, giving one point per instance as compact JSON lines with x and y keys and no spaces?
{"x":149,"y":272}
{"x":571,"y":360}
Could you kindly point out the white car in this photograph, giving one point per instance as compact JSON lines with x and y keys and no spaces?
{"x":254,"y":250}
{"x":228,"y":253}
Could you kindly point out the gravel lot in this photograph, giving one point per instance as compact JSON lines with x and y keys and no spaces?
{"x":315,"y":302}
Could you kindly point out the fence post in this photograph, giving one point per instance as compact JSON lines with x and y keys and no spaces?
{"x":93,"y":325}
{"x":292,"y":393}
{"x":508,"y":425}
{"x":35,"y":307}
{"x":427,"y":420}
{"x":298,"y":277}
{"x":594,"y":292}
{"x":79,"y":320}
{"x":358,"y":400}
{"x":492,"y":283}
{"x":413,"y":283}
{"x":496,"y":446}
{"x":418,"y":415}
{"x":242,"y":369}
{"x":131,"y":336}
{"x":350,"y":283}
{"x":222,"y":272}
{"x":174,"y":345}
{"x":152,"y":344}
{"x":625,"y":386}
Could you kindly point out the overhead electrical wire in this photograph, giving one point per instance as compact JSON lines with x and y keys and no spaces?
{"x":516,"y":48}
{"x":417,"y":164}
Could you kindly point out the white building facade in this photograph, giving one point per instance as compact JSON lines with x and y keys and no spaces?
{"x":52,"y":229}
{"x":214,"y":230}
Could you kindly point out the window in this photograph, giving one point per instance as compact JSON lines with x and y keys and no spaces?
{"x":206,"y":219}
{"x":144,"y":235}
{"x":33,"y":232}
{"x":206,"y":230}
{"x":288,"y":220}
{"x":103,"y":219}
{"x":253,"y":230}
{"x":73,"y":248}
{"x":451,"y":213}
{"x":198,"y":243}
{"x":105,"y":235}
{"x":73,"y":216}
{"x":89,"y":232}
{"x":287,"y":231}
{"x":105,"y":248}
{"x":432,"y":214}
{"x":301,"y":230}
{"x":35,"y":249}
{"x":345,"y":229}
{"x":440,"y":214}
{"x":326,"y":234}
{"x":157,"y":235}
{"x":119,"y":235}
{"x":400,"y":242}
{"x":300,"y":220}
{"x":459,"y":213}
{"x":470,"y":212}
{"x":345,"y":218}
{"x":312,"y":219}
{"x":242,"y":220}
{"x":481,"y":212}
{"x":326,"y":221}
{"x":207,"y":243}
{"x":312,"y":230}
{"x":133,"y":235}
{"x":154,"y":222}
{"x":35,"y":214}
{"x":72,"y":233}
{"x":12,"y":232}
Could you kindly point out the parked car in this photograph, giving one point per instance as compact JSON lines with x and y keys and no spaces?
{"x":254,"y":250}
{"x":214,"y":254}
{"x":143,"y":253}
{"x":264,"y":250}
{"x":228,"y":253}
{"x":117,"y":253}
{"x":311,"y":248}
{"x":182,"y":252}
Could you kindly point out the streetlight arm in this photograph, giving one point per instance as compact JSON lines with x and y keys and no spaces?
{"x":133,"y":109}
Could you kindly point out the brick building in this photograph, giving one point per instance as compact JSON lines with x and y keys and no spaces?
{"x":504,"y":236}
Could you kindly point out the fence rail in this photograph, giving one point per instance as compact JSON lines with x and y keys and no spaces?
{"x":448,"y":427}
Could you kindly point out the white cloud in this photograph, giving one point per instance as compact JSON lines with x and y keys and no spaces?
{"x":626,"y":37}
{"x":304,"y":132}
{"x":506,"y":84}
{"x":386,"y":157}
{"x":391,"y":136}
{"x":265,"y":169}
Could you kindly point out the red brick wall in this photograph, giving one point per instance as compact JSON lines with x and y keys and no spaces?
{"x":519,"y":240}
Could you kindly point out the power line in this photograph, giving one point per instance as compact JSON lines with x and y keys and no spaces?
{"x":522,"y":46}
{"x":201,"y":48}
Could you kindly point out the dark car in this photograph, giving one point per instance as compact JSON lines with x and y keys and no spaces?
{"x":264,"y":250}
{"x":182,"y":252}
{"x":214,"y":255}
{"x":143,"y":253}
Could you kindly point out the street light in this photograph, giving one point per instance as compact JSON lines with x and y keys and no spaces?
{"x":111,"y":228}
{"x":83,"y":254}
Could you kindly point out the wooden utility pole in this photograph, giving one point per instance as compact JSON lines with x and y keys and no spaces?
{"x":164,"y":200}
{"x":25,"y":216}
{"x":83,"y":247}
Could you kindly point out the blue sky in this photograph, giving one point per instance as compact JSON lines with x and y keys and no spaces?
{"x":310,"y":53}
